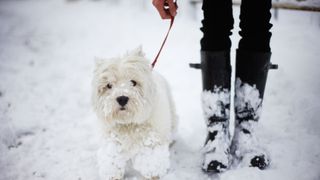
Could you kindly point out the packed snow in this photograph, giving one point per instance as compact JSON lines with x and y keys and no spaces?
{"x":247,"y":97}
{"x":47,"y":49}
{"x":213,"y":103}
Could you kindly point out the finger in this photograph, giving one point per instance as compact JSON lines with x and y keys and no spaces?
{"x":172,"y":8}
{"x":159,"y":5}
{"x":164,"y":13}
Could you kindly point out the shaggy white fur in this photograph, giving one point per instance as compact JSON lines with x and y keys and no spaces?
{"x":139,"y":127}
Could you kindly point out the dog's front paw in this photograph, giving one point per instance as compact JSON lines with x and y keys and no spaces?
{"x":153,"y":163}
{"x":111,"y":163}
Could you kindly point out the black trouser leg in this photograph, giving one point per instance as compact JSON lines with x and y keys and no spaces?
{"x":255,"y":25}
{"x":217,"y":24}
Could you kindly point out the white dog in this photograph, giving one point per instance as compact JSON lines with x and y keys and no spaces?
{"x":137,"y":114}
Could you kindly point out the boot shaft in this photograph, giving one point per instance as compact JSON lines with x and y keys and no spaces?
{"x":216,"y":70}
{"x":216,"y":80}
{"x":252,"y":68}
{"x":251,"y":77}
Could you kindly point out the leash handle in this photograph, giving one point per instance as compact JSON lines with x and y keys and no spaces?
{"x":164,"y":41}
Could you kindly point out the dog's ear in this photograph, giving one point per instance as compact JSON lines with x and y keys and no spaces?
{"x":138,"y":51}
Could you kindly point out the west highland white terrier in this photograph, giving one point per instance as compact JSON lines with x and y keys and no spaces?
{"x":137,"y":115}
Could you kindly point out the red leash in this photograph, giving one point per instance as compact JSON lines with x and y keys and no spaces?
{"x":164,"y":41}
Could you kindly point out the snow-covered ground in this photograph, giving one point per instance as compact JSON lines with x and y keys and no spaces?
{"x":47,"y":51}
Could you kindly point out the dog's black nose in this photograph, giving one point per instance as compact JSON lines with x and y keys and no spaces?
{"x":122,"y":100}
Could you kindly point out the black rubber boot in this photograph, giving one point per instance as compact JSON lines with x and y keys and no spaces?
{"x":216,"y":77}
{"x":251,"y":76}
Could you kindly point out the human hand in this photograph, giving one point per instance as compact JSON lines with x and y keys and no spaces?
{"x":166,"y":8}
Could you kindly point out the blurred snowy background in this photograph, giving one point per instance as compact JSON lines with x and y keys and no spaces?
{"x":47,"y":51}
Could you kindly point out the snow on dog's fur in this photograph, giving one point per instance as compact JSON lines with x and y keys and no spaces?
{"x":135,"y":108}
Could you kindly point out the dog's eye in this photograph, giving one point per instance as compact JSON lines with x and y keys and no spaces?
{"x":109,"y":86}
{"x":134,"y":83}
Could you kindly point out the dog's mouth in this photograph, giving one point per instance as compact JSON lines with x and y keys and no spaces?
{"x":122,"y":108}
